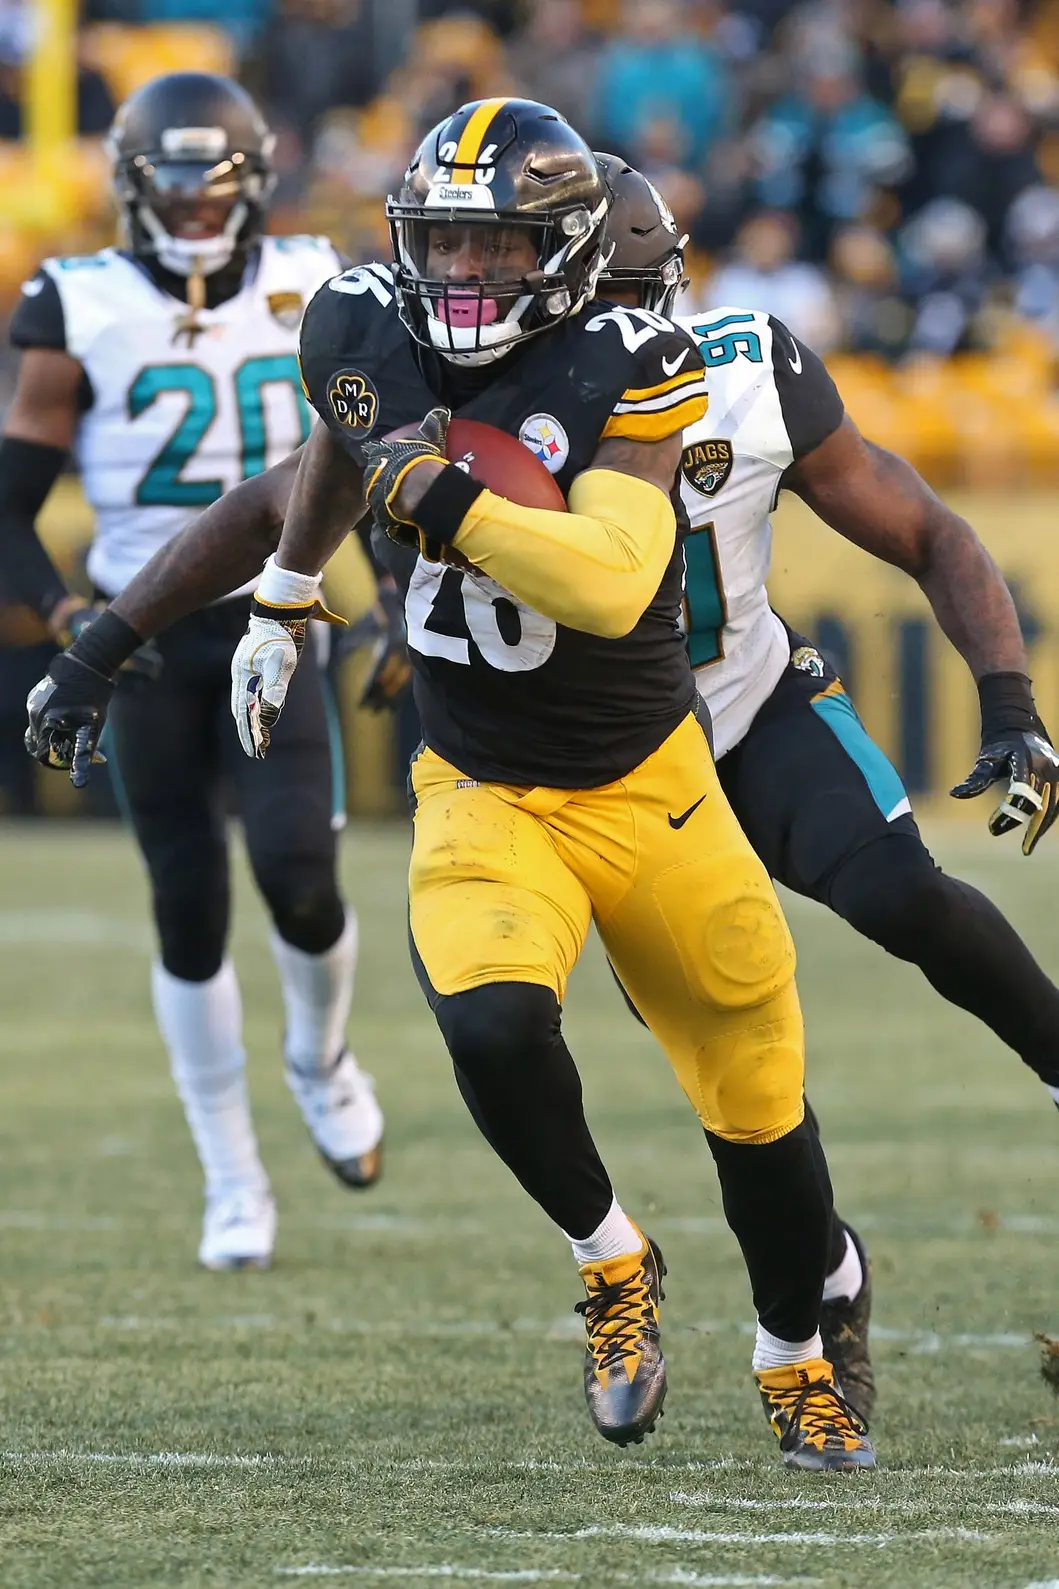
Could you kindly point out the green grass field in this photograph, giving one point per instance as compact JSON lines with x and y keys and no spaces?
{"x":399,"y":1399}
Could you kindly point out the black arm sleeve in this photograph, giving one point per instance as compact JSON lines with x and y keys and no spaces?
{"x":811,"y":405}
{"x":28,"y":470}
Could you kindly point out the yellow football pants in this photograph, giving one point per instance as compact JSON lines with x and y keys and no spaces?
{"x":504,"y":882}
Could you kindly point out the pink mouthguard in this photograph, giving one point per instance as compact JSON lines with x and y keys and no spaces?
{"x":464,"y":310}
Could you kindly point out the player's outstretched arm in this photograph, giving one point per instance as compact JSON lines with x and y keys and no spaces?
{"x":595,"y":568}
{"x":877,"y":500}
{"x":220,"y":551}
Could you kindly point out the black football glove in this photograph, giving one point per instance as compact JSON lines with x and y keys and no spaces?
{"x":391,"y":671}
{"x":1015,"y":747}
{"x":385,"y":465}
{"x":382,"y":629}
{"x":143,"y":667}
{"x":67,"y":711}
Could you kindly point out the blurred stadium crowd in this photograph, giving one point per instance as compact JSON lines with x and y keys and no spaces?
{"x":885,"y":177}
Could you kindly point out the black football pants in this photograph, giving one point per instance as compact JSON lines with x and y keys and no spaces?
{"x":810,"y":791}
{"x":178,"y":757}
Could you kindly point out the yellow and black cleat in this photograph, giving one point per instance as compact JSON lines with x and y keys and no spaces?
{"x":625,"y":1372}
{"x":844,"y":1332}
{"x":817,"y":1428}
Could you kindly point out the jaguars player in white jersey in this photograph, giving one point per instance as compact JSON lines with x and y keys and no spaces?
{"x":169,"y":366}
{"x":820,"y":802}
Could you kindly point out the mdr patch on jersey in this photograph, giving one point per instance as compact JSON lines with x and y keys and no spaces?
{"x":177,"y":408}
{"x":771,"y":402}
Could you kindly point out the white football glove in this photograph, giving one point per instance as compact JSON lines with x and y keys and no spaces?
{"x":267,"y":655}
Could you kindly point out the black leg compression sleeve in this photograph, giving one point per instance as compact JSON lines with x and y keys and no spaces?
{"x":892,"y":892}
{"x":777,"y":1200}
{"x":837,"y":1244}
{"x":522,"y":1088}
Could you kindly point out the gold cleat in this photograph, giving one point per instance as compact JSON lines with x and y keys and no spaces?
{"x":816,"y":1427}
{"x":625,"y":1372}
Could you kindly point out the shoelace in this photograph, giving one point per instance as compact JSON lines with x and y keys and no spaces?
{"x":625,"y":1306}
{"x":817,"y":1410}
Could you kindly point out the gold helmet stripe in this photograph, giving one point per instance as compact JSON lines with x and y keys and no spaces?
{"x":472,"y":138}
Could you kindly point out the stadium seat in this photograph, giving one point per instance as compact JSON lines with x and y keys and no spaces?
{"x":128,"y":57}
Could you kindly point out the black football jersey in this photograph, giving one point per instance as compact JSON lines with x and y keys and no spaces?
{"x":503,"y":692}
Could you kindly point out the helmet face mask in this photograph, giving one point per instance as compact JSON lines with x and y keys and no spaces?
{"x":646,"y":250}
{"x":192,"y":172}
{"x":496,"y":236}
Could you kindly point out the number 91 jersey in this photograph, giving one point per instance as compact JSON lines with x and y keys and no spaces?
{"x":771,"y":402}
{"x":175,"y":409}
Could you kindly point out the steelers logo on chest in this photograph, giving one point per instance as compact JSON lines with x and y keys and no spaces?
{"x":354,"y":400}
{"x":706,"y":465}
{"x":546,"y":440}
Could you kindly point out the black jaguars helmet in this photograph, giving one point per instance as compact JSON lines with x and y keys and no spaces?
{"x":192,"y":171}
{"x":647,"y":252}
{"x":497,"y":229}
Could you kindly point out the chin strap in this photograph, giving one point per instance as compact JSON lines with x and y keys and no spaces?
{"x":189,"y":325}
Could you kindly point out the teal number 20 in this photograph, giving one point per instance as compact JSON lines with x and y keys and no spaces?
{"x":705,"y":614}
{"x":163,"y":485}
{"x":727,"y":346}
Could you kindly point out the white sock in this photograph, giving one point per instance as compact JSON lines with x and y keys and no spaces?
{"x":1055,"y":1094}
{"x":317,"y":993}
{"x":202,"y":1026}
{"x":847,"y":1279}
{"x":771,"y":1352}
{"x":615,"y":1236}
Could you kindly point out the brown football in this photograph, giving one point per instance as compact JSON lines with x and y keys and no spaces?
{"x":499,"y":461}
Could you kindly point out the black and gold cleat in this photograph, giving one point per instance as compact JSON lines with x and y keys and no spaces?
{"x":817,"y":1428}
{"x":625,"y":1372}
{"x":844,"y":1332}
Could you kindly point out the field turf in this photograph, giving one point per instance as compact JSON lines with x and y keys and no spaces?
{"x":399,"y":1400}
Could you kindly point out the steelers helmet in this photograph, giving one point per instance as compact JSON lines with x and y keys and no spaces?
{"x":192,"y":167}
{"x":646,"y":250}
{"x":508,"y":193}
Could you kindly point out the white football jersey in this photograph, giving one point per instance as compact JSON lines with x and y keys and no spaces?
{"x":770,"y":401}
{"x":176,"y":418}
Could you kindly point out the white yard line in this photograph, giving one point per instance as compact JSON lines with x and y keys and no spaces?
{"x":663,"y":1534}
{"x":738,"y":1503}
{"x":677,"y":1575}
{"x":521,"y":1575}
{"x":150,"y":1459}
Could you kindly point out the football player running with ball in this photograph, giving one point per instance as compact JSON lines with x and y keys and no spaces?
{"x":566,"y":774}
{"x":171,"y":366}
{"x":821,"y":804}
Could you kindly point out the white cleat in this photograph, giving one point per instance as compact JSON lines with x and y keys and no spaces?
{"x":238,"y":1231}
{"x":344,"y":1119}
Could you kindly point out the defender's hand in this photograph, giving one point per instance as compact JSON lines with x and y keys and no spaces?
{"x":267,"y":655}
{"x":391,"y":671}
{"x":387,"y":465}
{"x":67,"y":711}
{"x":1031,"y":767}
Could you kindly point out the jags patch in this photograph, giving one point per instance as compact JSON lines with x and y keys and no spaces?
{"x":287,"y":308}
{"x":807,"y":659}
{"x":354,"y":400}
{"x":706,"y":465}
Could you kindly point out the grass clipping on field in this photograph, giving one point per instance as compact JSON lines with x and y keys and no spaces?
{"x":1049,"y":1360}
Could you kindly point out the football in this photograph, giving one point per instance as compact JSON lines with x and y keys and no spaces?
{"x":499,"y":461}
